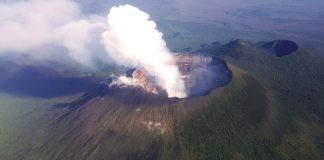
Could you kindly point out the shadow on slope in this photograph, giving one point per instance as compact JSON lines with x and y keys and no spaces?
{"x":42,"y":82}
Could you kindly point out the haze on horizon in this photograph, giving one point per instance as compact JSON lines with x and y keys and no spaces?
{"x":299,"y":20}
{"x":203,"y":22}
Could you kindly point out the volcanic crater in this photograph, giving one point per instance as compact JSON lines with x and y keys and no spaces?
{"x":200,"y":73}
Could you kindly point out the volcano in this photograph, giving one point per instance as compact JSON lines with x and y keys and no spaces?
{"x":133,"y":120}
{"x":132,"y":123}
{"x":240,"y":115}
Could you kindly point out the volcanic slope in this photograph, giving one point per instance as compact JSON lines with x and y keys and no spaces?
{"x":238,"y":121}
{"x":296,"y":82}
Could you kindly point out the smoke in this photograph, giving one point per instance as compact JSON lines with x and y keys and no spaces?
{"x":44,"y":29}
{"x":123,"y":81}
{"x":57,"y":30}
{"x":133,"y":40}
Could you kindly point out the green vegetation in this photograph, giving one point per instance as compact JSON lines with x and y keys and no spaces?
{"x":15,"y":125}
{"x":296,"y":79}
{"x":231,"y":128}
{"x":23,"y":122}
{"x":296,"y":82}
{"x":249,"y":122}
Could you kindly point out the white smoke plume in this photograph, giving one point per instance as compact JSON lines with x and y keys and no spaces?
{"x":34,"y":27}
{"x":133,"y":40}
{"x":122,"y":81}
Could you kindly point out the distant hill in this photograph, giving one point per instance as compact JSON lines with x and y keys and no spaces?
{"x":280,"y":47}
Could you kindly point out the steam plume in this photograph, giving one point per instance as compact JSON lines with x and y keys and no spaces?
{"x":44,"y":28}
{"x":133,"y":40}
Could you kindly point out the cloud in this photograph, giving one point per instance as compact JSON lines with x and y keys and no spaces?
{"x":28,"y":27}
{"x":132,"y":40}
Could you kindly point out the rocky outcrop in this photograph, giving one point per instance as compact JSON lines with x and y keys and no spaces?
{"x":145,"y":81}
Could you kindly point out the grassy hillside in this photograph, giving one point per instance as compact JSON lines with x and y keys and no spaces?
{"x":296,"y":81}
{"x":22,"y":123}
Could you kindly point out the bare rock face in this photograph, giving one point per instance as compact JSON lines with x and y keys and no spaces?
{"x":201,"y":74}
{"x":145,"y":81}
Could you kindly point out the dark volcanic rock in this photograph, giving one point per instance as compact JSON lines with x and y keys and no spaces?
{"x":281,"y":47}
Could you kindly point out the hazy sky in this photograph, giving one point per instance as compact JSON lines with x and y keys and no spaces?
{"x":290,"y":19}
{"x":45,"y":27}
